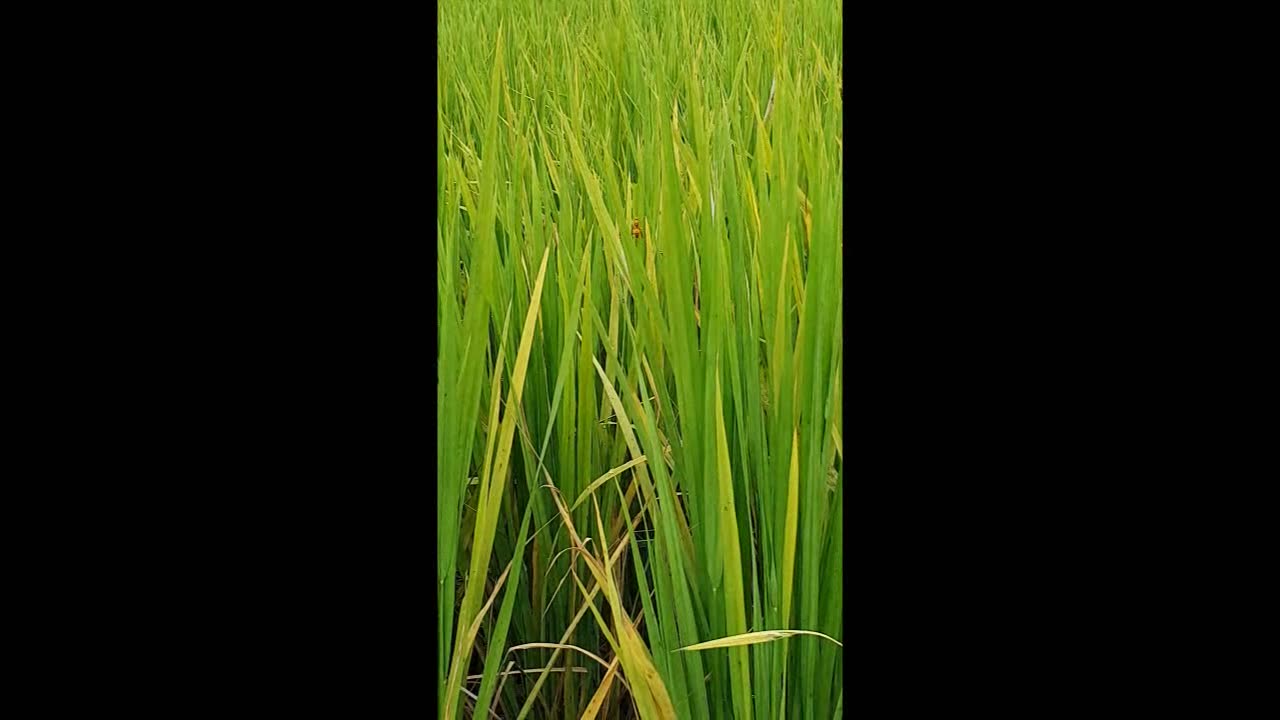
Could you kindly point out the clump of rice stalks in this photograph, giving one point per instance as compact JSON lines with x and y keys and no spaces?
{"x":640,"y":464}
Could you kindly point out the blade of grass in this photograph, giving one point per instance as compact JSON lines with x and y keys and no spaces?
{"x":752,"y":638}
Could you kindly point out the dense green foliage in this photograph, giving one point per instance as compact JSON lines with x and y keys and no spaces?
{"x":639,"y":391}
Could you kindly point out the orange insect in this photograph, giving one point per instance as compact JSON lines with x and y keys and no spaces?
{"x":635,"y":228}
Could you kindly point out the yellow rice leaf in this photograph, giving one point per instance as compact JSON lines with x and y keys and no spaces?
{"x":752,"y":638}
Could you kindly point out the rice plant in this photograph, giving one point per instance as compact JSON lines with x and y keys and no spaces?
{"x":639,"y":471}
